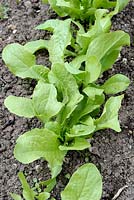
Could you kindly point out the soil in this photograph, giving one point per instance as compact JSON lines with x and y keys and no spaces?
{"x":112,"y":152}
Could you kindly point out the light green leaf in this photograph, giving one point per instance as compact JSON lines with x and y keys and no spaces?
{"x":56,"y":8}
{"x":43,"y":196}
{"x":38,"y":72}
{"x":77,"y":61}
{"x":108,"y":60}
{"x":85,"y":107}
{"x":103,"y":4}
{"x":102,"y":24}
{"x":85,"y":184}
{"x":44,"y":1}
{"x":109,"y":117}
{"x":49,"y":184}
{"x":77,"y":144}
{"x":15,"y":196}
{"x":82,"y":130}
{"x":53,"y":126}
{"x":39,"y":143}
{"x":67,"y":85}
{"x":49,"y":25}
{"x":116,"y":84}
{"x":20,"y":106}
{"x":60,"y":39}
{"x":106,"y":43}
{"x":45,"y":101}
{"x":36,"y":45}
{"x":18,"y":59}
{"x":28,"y":193}
{"x":93,"y":66}
{"x":92,"y":92}
{"x":73,"y":70}
{"x":71,"y":8}
{"x":120,"y":4}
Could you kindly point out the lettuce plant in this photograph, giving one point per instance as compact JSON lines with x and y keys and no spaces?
{"x":67,"y":98}
{"x":87,"y":175}
{"x":84,"y":9}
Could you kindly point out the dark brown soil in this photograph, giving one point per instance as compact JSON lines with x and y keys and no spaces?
{"x":113,"y":153}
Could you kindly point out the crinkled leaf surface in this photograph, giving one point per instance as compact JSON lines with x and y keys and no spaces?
{"x":85,"y":184}
{"x":116,"y":84}
{"x":38,"y":72}
{"x":109,"y":117}
{"x":77,"y":144}
{"x":45,"y":101}
{"x":20,"y":106}
{"x":67,"y":85}
{"x":106,"y":43}
{"x":39,"y":143}
{"x":102,"y":24}
{"x":60,"y":39}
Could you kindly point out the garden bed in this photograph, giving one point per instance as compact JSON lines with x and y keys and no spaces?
{"x":112,"y":152}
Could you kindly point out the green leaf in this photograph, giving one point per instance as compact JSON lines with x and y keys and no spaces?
{"x":77,"y":144}
{"x":53,"y":126}
{"x":85,"y":184}
{"x":119,"y":6}
{"x":20,"y":106}
{"x":36,"y":45}
{"x":93,"y":66}
{"x":77,"y":61}
{"x":108,"y":60}
{"x":67,"y":85}
{"x":18,"y":59}
{"x":38,"y":72}
{"x":92,"y":92}
{"x":73,"y":70}
{"x":44,"y":1}
{"x":45,"y":101}
{"x":43,"y":196}
{"x":109,"y":117}
{"x":15,"y":196}
{"x":28,"y":193}
{"x":49,"y":184}
{"x":82,"y":130}
{"x":71,"y":8}
{"x":85,"y":107}
{"x":103,"y":4}
{"x":56,"y":8}
{"x":39,"y":143}
{"x":116,"y":84}
{"x":106,"y":43}
{"x":60,"y":39}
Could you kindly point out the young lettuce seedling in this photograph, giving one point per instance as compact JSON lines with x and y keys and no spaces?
{"x":87,"y":175}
